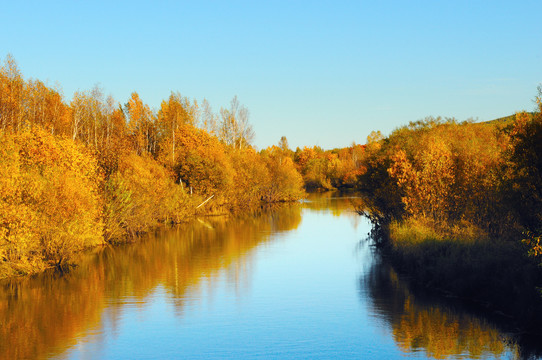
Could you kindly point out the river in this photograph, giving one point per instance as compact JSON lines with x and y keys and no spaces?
{"x":299,"y":281}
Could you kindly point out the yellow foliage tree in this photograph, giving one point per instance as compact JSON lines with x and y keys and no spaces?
{"x":202,"y":162}
{"x":139,"y":195}
{"x":141,"y":126}
{"x":51,"y":206}
{"x":251,"y":180}
{"x":286,"y":182}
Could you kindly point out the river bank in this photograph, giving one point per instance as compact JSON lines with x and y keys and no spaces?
{"x":458,"y":207}
{"x":494,"y":275}
{"x":80,"y":173}
{"x":295,"y":279}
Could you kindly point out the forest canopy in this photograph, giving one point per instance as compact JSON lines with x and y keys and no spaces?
{"x":90,"y":170}
{"x":458,"y":206}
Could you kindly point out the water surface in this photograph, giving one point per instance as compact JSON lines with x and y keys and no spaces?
{"x":298,"y":281}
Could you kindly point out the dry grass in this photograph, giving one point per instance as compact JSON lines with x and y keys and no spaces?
{"x":462,"y":260}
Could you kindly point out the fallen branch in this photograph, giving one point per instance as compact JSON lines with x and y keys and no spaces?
{"x":203,"y":203}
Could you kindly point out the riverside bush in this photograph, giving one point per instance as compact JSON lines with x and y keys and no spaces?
{"x":50,"y":206}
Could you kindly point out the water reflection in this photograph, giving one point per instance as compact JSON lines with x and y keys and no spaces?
{"x":431,"y":327}
{"x":298,"y":299}
{"x":335,"y":203}
{"x":43,"y":316}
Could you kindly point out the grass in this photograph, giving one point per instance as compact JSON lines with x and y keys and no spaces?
{"x":462,"y":260}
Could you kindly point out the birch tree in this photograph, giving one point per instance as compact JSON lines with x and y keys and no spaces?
{"x":235,"y":130}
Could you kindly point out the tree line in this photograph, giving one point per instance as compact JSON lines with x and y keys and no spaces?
{"x":458,"y":205}
{"x":79,"y":173}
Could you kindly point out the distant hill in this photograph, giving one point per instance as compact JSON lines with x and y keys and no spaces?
{"x":504,"y":121}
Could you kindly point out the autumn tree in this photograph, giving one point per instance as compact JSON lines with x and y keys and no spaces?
{"x":50,"y":205}
{"x":139,"y":195}
{"x":347,"y":166}
{"x":116,"y":143}
{"x":283,"y":144}
{"x":141,"y":125}
{"x":235,"y":129}
{"x":202,"y":162}
{"x":208,"y":120}
{"x":74,"y":174}
{"x":251,"y":180}
{"x":44,"y":107}
{"x":426,"y":179}
{"x":286,"y":182}
{"x":313,"y":163}
{"x":26,"y":104}
{"x":525,"y":186}
{"x":11,"y":96}
{"x":441,"y":170}
{"x":173,"y":113}
{"x":89,"y":118}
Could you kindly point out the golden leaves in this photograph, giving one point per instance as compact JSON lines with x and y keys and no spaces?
{"x":51,"y":203}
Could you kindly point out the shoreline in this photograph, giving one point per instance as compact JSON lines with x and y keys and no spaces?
{"x":129,"y":238}
{"x":497,"y":282}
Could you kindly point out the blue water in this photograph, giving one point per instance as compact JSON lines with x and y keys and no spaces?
{"x":294,"y":283}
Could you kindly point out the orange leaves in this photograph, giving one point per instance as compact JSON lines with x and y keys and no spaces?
{"x":526,"y":171}
{"x":302,"y":157}
{"x":201,"y":162}
{"x":324,"y":170}
{"x":138,"y":112}
{"x":141,"y":127}
{"x":441,"y":170}
{"x":426,"y":178}
{"x":286,"y":182}
{"x":122,"y":166}
{"x":176,"y":111}
{"x":53,"y":208}
{"x":237,"y":178}
{"x":44,"y":107}
{"x":401,"y":168}
{"x":136,"y":196}
{"x":11,"y":95}
{"x":522,"y":119}
{"x":24,"y":104}
{"x":251,"y":179}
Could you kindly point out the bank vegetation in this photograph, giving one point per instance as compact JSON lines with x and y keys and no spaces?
{"x":458,"y":207}
{"x":79,"y":173}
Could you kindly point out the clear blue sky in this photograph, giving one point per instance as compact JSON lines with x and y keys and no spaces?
{"x":321,"y":73}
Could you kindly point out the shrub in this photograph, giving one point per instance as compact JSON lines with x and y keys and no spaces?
{"x":139,"y":195}
{"x":51,"y":206}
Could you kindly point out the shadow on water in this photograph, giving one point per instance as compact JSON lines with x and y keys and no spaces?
{"x":440,"y":328}
{"x":44,"y":315}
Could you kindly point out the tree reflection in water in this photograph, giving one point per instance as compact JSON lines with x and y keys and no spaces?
{"x":49,"y":315}
{"x":435,"y":328}
{"x":44,"y":315}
